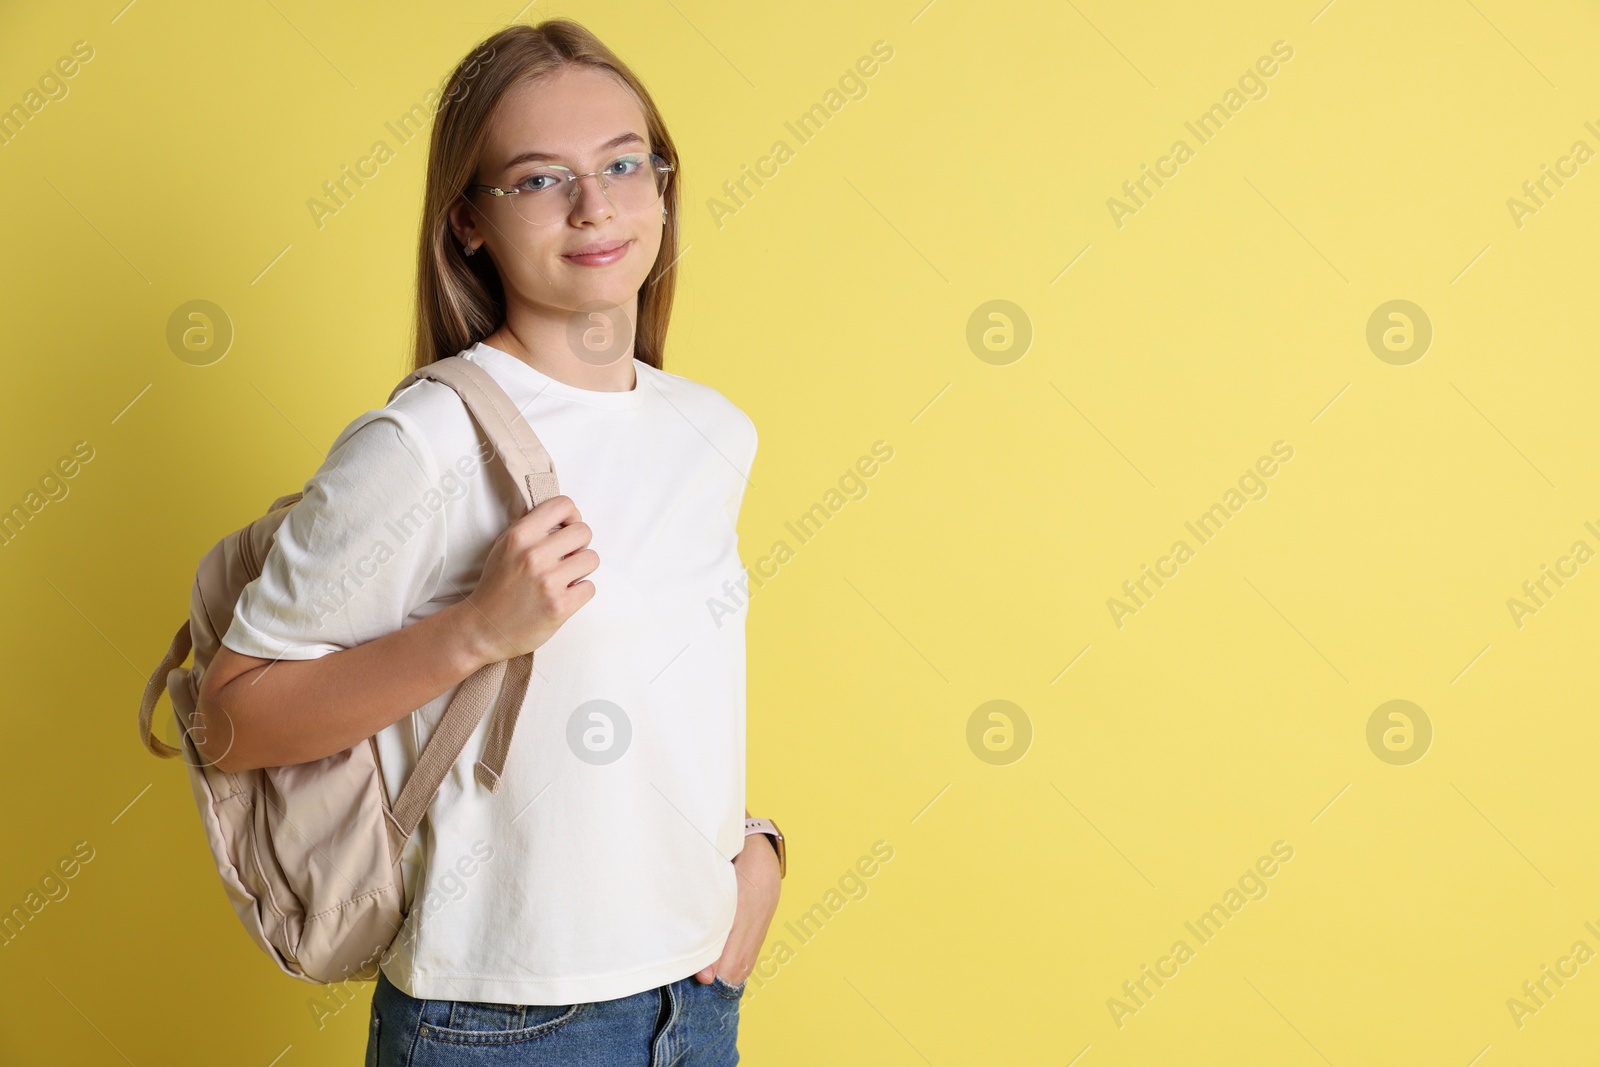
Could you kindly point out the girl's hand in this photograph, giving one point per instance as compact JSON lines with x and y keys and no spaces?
{"x":757,"y":868}
{"x":531,"y":582}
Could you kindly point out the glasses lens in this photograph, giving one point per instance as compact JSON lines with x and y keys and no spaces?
{"x":632,"y":182}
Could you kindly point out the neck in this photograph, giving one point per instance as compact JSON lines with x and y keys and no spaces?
{"x":584,"y":349}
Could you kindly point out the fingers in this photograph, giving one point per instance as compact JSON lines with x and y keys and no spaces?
{"x":553,"y":526}
{"x":551,"y":513}
{"x":563,"y":542}
{"x":578,"y":565}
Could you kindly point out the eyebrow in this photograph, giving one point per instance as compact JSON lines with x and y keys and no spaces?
{"x":532,"y":156}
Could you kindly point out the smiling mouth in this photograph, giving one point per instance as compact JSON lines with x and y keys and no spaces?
{"x":606,"y":252}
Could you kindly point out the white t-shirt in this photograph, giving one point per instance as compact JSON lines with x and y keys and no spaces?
{"x":603,"y":867}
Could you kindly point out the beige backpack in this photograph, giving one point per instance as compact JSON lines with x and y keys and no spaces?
{"x":309,"y":854}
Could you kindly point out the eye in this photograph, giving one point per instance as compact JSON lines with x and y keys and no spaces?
{"x":541,"y":180}
{"x":623,"y":166}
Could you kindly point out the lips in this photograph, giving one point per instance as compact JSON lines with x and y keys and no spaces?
{"x":595,"y":250}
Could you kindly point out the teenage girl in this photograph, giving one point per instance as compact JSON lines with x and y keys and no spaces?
{"x":606,"y":905}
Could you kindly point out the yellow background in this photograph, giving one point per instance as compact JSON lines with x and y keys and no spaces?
{"x":1228,"y":313}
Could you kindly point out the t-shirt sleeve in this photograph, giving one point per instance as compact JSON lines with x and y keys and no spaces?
{"x":363,"y":547}
{"x":748,"y":440}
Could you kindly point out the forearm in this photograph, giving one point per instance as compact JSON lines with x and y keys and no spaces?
{"x":771,"y":845}
{"x":284,"y":712}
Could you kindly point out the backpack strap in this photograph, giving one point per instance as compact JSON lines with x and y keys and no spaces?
{"x":525,"y":458}
{"x":177,"y":652}
{"x":514,"y":441}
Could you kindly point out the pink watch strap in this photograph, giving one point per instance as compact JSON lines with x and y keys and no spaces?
{"x":770,"y":828}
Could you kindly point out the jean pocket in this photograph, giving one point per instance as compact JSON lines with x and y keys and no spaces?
{"x":726,"y":988}
{"x":465,"y":1022}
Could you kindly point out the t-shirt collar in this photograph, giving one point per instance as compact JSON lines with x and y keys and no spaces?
{"x":543,"y":384}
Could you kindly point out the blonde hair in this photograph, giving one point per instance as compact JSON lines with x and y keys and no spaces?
{"x":460,"y":301}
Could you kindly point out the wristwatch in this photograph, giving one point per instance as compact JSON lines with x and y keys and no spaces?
{"x":770,"y":828}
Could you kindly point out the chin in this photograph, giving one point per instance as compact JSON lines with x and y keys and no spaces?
{"x":606,"y":292}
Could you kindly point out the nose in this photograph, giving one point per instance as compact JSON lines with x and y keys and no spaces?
{"x":590,"y":199}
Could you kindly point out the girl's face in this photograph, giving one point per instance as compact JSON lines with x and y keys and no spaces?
{"x":582,"y":119}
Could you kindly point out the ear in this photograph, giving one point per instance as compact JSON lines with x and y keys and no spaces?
{"x":463,"y":223}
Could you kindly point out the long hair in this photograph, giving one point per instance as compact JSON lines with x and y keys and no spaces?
{"x":460,"y":301}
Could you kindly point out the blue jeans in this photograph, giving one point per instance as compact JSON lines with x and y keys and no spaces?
{"x":681,"y":1024}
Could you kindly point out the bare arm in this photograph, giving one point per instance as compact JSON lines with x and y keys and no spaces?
{"x":271,"y":713}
